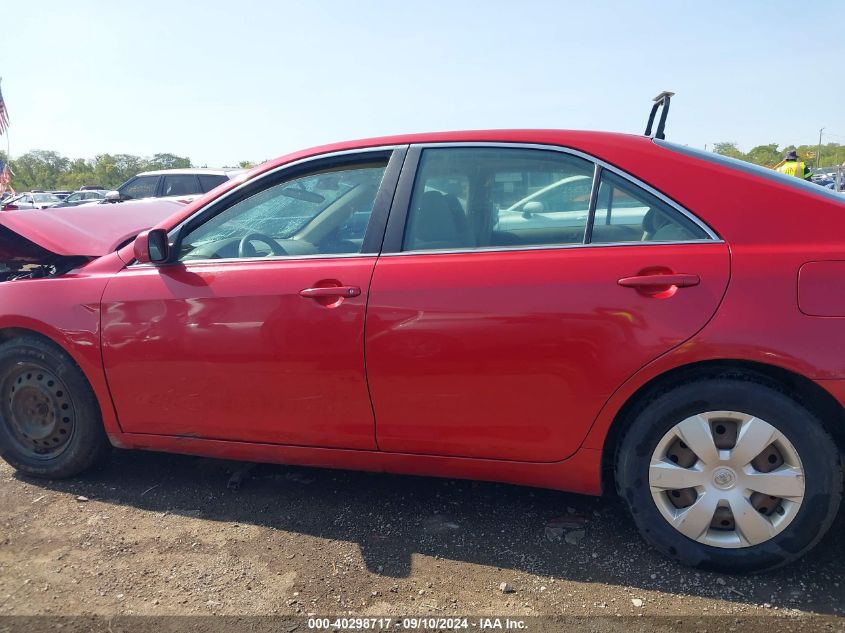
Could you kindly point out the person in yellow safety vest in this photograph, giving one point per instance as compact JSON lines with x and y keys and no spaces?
{"x":791,"y":166}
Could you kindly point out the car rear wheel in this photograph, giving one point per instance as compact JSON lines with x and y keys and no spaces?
{"x":729,"y":474}
{"x":50,"y":423}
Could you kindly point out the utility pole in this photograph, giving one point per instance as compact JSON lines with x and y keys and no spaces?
{"x":819,"y":151}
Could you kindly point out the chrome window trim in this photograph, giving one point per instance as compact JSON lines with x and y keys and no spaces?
{"x":173,"y":233}
{"x":542,"y":247}
{"x":244,"y":260}
{"x":712,"y":235}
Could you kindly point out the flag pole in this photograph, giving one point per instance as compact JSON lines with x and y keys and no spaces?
{"x":8,"y":150}
{"x":7,"y":167}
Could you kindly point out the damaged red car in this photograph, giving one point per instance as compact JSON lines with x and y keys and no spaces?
{"x":570,"y":310}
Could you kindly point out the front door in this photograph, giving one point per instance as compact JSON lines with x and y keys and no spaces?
{"x":498,"y":326}
{"x":255,"y":333}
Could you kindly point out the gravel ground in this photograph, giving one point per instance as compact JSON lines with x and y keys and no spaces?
{"x":156,"y":534}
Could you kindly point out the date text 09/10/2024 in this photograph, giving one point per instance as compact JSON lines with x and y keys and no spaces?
{"x":418,"y":623}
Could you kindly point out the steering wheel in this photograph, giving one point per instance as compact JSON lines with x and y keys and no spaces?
{"x":246,"y":249}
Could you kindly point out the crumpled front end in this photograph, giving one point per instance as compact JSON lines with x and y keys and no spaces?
{"x":21,"y":258}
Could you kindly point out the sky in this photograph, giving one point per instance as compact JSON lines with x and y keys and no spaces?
{"x":222,"y":82}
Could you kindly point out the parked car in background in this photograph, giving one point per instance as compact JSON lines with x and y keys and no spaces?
{"x":381,"y":305}
{"x":824,"y":181}
{"x":89,"y":196}
{"x":61,"y":194}
{"x":166,"y":183}
{"x":31,"y":200}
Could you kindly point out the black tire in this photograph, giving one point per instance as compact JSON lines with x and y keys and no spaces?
{"x":751,"y":395}
{"x":65,"y":415}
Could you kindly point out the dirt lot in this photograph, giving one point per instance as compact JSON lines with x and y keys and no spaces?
{"x":161,"y":534}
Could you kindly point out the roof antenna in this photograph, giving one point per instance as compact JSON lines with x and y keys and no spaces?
{"x":660,"y":100}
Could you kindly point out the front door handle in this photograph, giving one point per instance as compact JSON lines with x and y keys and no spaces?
{"x":331,"y":291}
{"x":660,"y":280}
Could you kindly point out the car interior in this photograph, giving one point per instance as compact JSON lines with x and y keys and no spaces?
{"x":456,"y":205}
{"x":472,"y":209}
{"x":323,"y":213}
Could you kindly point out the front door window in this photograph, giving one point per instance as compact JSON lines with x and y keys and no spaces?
{"x":326,"y":212}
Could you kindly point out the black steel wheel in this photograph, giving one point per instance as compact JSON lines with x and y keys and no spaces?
{"x":41,"y":416}
{"x":50,"y":422}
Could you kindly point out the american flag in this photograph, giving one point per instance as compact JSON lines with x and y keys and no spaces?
{"x":4,"y":177}
{"x":4,"y":115}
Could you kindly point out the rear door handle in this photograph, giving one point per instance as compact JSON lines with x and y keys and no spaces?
{"x":331,"y":291}
{"x":680,"y":280}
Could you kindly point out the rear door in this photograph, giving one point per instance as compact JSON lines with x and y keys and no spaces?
{"x":499,"y":331}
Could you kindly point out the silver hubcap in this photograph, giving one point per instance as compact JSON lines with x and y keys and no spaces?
{"x":726,"y":479}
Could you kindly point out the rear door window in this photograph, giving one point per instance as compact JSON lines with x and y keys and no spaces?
{"x":486,"y":197}
{"x":181,"y":185}
{"x":140,"y":187}
{"x":210,"y":181}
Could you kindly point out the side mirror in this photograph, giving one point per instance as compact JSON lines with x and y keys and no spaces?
{"x":152,"y":247}
{"x":113,"y":196}
{"x":530,"y":208}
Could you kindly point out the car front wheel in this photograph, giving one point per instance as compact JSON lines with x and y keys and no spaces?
{"x":730,"y":475}
{"x":50,"y":423}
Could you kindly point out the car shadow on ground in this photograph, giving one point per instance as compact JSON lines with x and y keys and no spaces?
{"x":541,"y":532}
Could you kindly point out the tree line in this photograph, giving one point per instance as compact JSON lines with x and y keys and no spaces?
{"x":43,"y":169}
{"x":48,"y":170}
{"x":832,"y":154}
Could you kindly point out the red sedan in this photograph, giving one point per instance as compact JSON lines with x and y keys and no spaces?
{"x":569,"y":310}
